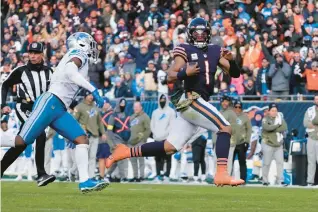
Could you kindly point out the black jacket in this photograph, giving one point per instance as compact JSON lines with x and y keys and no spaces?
{"x":121,"y":91}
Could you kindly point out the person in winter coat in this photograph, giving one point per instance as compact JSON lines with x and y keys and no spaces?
{"x":140,"y":131}
{"x":161,"y":121}
{"x":263,"y":84}
{"x":280,"y":73}
{"x":273,"y":127}
{"x":142,"y":56}
{"x":118,"y":132}
{"x":120,"y":88}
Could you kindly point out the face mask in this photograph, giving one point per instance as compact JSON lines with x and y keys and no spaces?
{"x":122,"y":108}
{"x":162,"y":104}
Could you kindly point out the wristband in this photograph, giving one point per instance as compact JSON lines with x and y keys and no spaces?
{"x":182,"y":74}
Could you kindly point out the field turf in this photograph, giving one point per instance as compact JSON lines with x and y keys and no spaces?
{"x":65,"y":197}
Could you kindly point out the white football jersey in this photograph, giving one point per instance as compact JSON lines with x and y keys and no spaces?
{"x":61,"y":85}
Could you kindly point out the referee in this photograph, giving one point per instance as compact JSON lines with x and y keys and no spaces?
{"x":32,"y":80}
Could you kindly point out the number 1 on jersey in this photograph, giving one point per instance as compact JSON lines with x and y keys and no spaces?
{"x":207,"y":70}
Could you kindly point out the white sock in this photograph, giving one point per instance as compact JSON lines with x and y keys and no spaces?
{"x":7,"y":141}
{"x":81,"y":157}
{"x":203,"y":177}
{"x":196,"y":178}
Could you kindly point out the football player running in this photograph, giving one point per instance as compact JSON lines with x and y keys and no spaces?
{"x":50,"y":108}
{"x":195,"y":63}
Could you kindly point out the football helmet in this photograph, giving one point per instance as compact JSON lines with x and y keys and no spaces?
{"x":85,"y":42}
{"x":199,"y":33}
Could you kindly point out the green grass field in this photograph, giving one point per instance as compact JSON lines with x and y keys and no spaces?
{"x":25,"y":196}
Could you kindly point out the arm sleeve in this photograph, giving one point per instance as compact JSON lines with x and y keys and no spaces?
{"x":147,"y":128}
{"x":272,"y":70}
{"x":282,"y":128}
{"x":152,"y":122}
{"x":306,"y":122}
{"x":13,"y":78}
{"x":268,"y":127}
{"x":267,"y":55}
{"x":110,"y":127}
{"x":181,"y":52}
{"x":100,"y":125}
{"x":113,"y":24}
{"x":132,"y":50}
{"x":73,"y":74}
{"x":111,"y":122}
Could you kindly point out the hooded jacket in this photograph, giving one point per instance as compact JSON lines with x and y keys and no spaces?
{"x":161,"y":120}
{"x":119,"y":123}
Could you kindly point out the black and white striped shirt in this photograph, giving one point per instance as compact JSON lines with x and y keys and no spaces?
{"x":32,"y":81}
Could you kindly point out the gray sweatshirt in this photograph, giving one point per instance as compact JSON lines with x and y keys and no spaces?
{"x":280,"y":77}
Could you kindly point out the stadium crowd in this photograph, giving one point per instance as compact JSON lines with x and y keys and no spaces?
{"x":275,"y":42}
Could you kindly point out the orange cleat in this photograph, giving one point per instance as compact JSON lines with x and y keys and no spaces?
{"x":121,"y":152}
{"x":223,"y":178}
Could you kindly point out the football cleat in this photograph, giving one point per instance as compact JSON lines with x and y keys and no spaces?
{"x":45,"y":179}
{"x":222,"y":177}
{"x":121,"y":152}
{"x":92,"y":185}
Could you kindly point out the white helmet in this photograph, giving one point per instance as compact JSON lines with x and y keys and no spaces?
{"x":85,"y":42}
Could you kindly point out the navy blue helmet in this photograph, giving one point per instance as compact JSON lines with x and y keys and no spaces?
{"x":199,"y":33}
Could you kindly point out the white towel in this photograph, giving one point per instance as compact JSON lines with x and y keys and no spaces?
{"x":278,"y":120}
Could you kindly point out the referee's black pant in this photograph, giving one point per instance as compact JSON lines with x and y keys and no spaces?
{"x":23,"y":111}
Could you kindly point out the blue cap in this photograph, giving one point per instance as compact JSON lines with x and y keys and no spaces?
{"x":241,"y":6}
{"x":232,"y":86}
{"x":219,"y":12}
{"x":269,"y":1}
{"x":307,"y":37}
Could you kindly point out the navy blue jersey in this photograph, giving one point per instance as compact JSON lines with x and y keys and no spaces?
{"x":203,"y":83}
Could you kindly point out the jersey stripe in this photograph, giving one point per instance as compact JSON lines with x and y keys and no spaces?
{"x":23,"y":92}
{"x":43,"y":81}
{"x":36,"y":84}
{"x":28,"y":84}
{"x":181,"y":54}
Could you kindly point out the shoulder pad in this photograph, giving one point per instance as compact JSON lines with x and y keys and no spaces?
{"x":79,"y":54}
